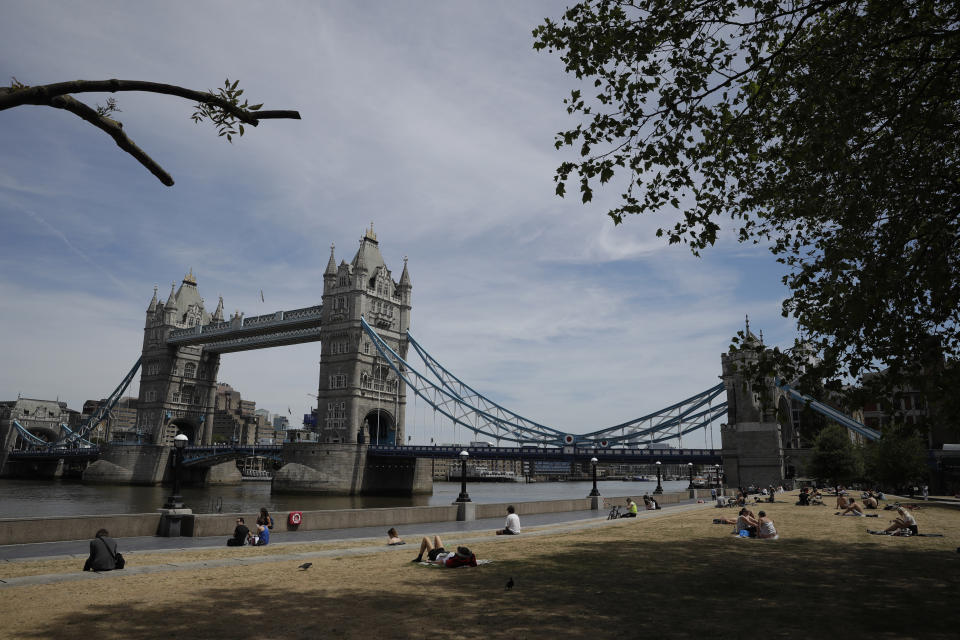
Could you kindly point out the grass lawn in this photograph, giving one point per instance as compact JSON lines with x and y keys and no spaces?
{"x":673,"y":576}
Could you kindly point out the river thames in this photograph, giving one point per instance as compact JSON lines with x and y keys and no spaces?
{"x":33,"y":498}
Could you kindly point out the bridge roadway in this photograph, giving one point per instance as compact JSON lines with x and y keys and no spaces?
{"x":201,"y":455}
{"x":566,"y":454}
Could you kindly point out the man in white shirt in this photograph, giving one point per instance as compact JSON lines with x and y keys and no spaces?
{"x":512,"y":526}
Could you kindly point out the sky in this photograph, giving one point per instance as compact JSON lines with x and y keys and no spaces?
{"x":434,"y":121}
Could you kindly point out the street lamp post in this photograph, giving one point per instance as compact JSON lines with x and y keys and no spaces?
{"x":690,"y":473}
{"x":175,"y":501}
{"x":595,"y":491}
{"x":716,"y":468}
{"x":463,"y":497}
{"x":659,"y":488}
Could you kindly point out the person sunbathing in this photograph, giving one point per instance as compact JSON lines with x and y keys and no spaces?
{"x":852,"y":509}
{"x":436,"y":554}
{"x":746,"y":521}
{"x":870,"y":502}
{"x":766,"y":530}
{"x":905,"y":520}
{"x":842,"y":502}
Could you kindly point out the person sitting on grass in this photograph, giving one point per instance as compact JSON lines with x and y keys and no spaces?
{"x":870,"y":502}
{"x":512,"y":526}
{"x":842,"y":502}
{"x":746,"y":521}
{"x":631,"y":509}
{"x":905,"y":520}
{"x":393,"y":537}
{"x":262,"y":537}
{"x":852,"y":509}
{"x":765,"y":529}
{"x":103,"y":553}
{"x":436,"y":554}
{"x":240,"y":535}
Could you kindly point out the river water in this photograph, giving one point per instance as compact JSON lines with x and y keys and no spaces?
{"x":33,"y":498}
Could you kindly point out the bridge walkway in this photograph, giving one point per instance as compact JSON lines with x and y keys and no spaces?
{"x":368,"y":539}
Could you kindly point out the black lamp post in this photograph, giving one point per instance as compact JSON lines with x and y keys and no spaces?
{"x":690,"y":473}
{"x":716,"y":468}
{"x":463,"y":497}
{"x":594,"y":491}
{"x":659,"y":488}
{"x":175,"y":501}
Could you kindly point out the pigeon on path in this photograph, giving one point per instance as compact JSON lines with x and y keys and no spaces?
{"x":305,"y":566}
{"x":509,"y":585}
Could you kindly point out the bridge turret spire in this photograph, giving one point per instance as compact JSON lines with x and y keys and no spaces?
{"x":331,"y":264}
{"x":153,"y":301}
{"x":405,"y":276}
{"x":218,"y":314}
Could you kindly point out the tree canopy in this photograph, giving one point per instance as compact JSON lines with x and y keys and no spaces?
{"x":898,"y":459}
{"x":827,"y":130}
{"x":834,"y":457}
{"x":223,"y":108}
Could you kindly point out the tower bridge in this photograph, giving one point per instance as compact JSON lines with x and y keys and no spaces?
{"x":362,"y":324}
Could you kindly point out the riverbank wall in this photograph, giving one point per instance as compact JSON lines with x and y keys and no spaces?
{"x":61,"y":528}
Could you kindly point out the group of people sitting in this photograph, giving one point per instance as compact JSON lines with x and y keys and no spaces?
{"x":848,"y":505}
{"x":259,"y":537}
{"x":809,"y":496}
{"x":748,"y":525}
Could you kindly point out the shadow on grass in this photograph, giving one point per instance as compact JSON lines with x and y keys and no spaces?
{"x":716,"y":588}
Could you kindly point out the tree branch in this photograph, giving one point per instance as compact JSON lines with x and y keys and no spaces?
{"x":57,"y":96}
{"x":115,"y":130}
{"x":42,"y":94}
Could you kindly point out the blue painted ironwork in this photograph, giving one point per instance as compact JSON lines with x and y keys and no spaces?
{"x":80,"y":441}
{"x":828,"y":411}
{"x":204,"y":455}
{"x":88,"y":453}
{"x":465,"y":406}
{"x":29,"y":438}
{"x":567,"y":454}
{"x":281,"y":328}
{"x":73,"y":439}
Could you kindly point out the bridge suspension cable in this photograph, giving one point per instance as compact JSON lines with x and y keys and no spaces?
{"x":79,"y":437}
{"x":469,"y":408}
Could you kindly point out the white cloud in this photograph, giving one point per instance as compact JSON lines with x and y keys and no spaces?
{"x":435,"y":121}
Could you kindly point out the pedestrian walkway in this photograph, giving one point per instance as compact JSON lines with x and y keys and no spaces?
{"x":534,"y":525}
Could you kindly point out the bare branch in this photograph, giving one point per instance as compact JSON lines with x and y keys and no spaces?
{"x":58,"y":96}
{"x":115,"y":130}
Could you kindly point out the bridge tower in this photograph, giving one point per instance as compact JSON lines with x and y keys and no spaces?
{"x":360,"y":398}
{"x":178,"y":384}
{"x":753,"y":438}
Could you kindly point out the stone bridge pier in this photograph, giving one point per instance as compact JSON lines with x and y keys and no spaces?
{"x":754,"y":438}
{"x":347,"y":469}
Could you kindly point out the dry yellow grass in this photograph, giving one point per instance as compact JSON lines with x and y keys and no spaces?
{"x":676,"y":575}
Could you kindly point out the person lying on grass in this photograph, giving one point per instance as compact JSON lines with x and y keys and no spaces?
{"x":436,"y":554}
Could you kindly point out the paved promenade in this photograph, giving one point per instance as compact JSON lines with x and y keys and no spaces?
{"x":460,"y":532}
